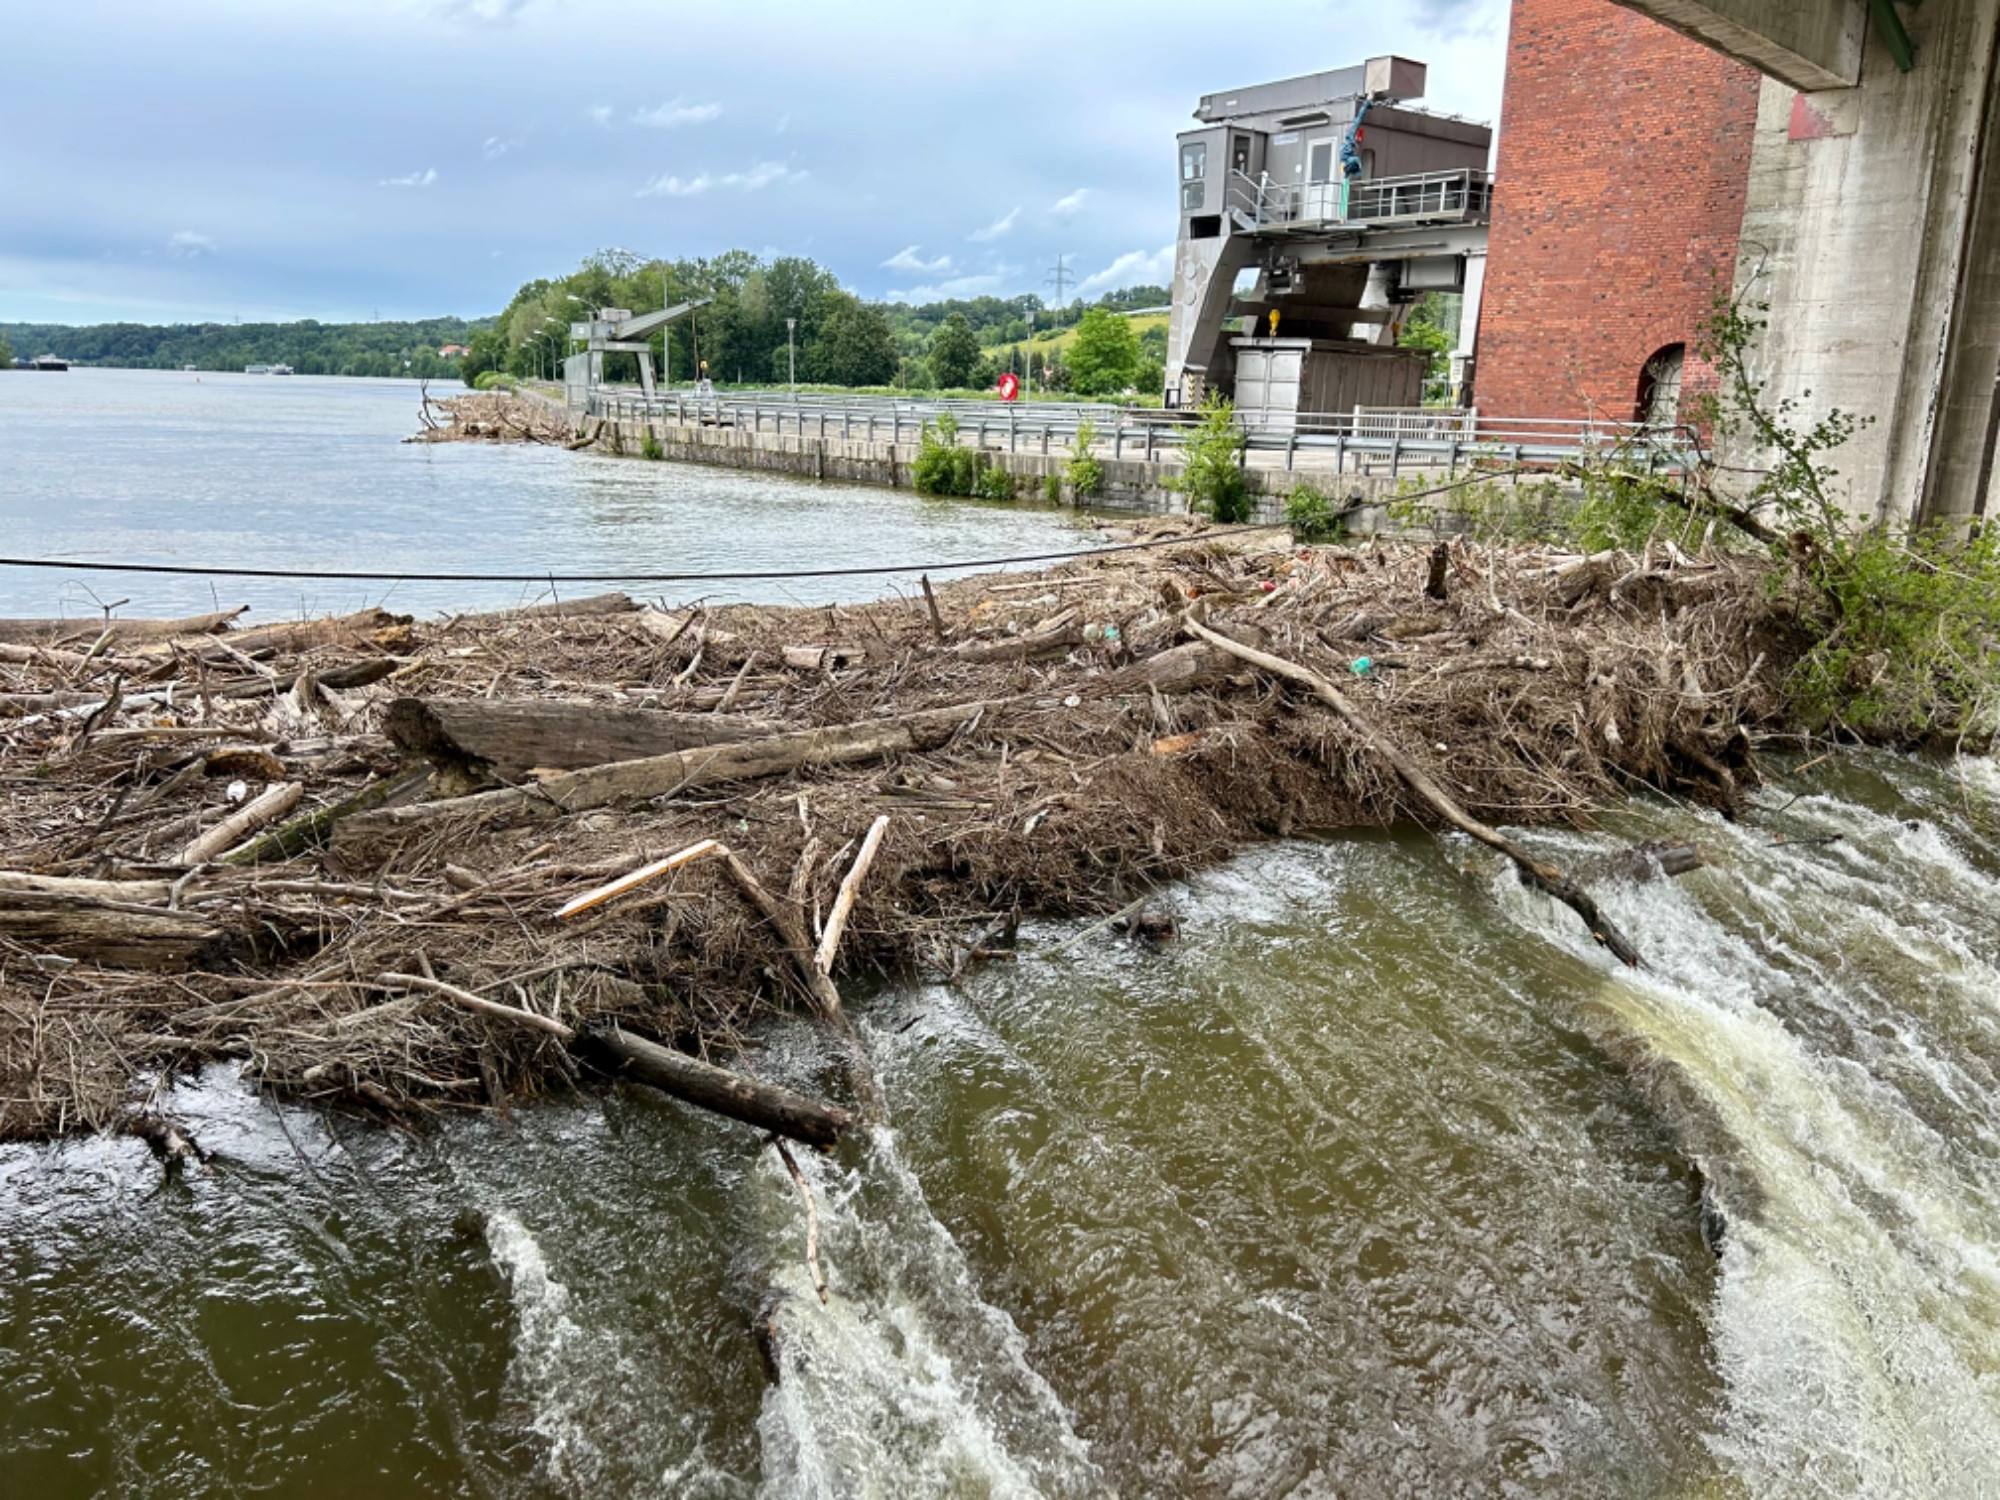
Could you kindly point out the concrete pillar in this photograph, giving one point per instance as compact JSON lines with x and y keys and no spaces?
{"x":1871,"y":229}
{"x":1375,"y":298}
{"x":1205,"y":273}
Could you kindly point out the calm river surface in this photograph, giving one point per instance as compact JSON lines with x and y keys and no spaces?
{"x":1376,"y":1183}
{"x":150,"y":466}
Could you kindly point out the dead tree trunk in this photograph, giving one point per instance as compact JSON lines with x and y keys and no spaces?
{"x":512,"y":737}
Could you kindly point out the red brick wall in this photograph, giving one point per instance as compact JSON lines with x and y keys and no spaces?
{"x":1624,"y":152}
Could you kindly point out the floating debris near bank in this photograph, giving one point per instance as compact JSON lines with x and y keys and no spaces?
{"x":412,"y":867}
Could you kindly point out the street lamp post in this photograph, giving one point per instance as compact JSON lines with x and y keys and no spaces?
{"x":792,"y":353}
{"x":1028,"y":355}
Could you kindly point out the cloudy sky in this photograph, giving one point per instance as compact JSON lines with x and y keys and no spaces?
{"x":209,"y":159}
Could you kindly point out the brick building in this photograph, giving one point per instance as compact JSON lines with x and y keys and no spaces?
{"x":1623,"y":160}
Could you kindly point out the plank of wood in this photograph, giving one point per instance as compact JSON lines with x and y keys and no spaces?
{"x":513,"y":735}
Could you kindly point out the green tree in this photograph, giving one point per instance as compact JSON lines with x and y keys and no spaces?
{"x":853,"y":345}
{"x":6,"y":353}
{"x":1104,"y":359}
{"x":954,"y":352}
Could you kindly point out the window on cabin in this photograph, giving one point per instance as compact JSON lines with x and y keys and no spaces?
{"x":1194,"y":167}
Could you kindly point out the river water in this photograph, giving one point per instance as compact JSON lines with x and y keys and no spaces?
{"x":1379,"y":1181}
{"x":146,"y":466}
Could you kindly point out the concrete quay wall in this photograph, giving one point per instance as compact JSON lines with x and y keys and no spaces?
{"x":1129,"y":484}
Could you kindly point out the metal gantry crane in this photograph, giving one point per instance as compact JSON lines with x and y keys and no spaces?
{"x":615,"y":330}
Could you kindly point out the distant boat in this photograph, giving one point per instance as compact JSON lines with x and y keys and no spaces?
{"x":281,"y":369}
{"x":48,"y":362}
{"x":265,"y":369}
{"x":189,"y":369}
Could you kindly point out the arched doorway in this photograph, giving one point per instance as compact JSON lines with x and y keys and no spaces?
{"x":1659,"y":401}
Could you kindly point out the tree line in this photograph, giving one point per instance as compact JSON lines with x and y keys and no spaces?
{"x":308,"y":346}
{"x":834,"y":337}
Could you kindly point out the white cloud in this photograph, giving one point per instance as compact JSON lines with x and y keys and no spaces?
{"x":1133,"y":268}
{"x":784,"y":124}
{"x":187,"y":245}
{"x":676,"y":113}
{"x":958,"y":286}
{"x":1069,"y":205}
{"x":909,"y":260}
{"x":761,"y":175}
{"x":479,"y":12}
{"x":414,"y":180}
{"x":600,"y":114}
{"x":495,"y":147}
{"x":997,"y":228}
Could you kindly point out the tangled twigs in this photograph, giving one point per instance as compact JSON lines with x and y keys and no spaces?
{"x":1543,"y":876}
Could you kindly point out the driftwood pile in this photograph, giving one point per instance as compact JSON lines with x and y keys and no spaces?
{"x":494,"y":417}
{"x":410,"y":867}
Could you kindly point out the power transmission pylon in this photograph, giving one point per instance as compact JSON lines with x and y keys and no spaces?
{"x":1061,"y":279}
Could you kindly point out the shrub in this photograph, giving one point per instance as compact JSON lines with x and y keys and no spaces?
{"x":942,"y":467}
{"x":995,"y":483}
{"x":1311,"y":514}
{"x":495,"y":380}
{"x":1083,"y":472}
{"x":649,"y":445}
{"x":1212,"y":478}
{"x":1052,"y":489}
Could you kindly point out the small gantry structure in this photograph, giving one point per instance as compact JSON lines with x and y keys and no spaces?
{"x":1313,"y":212}
{"x":616,"y":330}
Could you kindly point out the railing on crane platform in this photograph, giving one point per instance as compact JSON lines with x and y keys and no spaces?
{"x":1462,"y":195}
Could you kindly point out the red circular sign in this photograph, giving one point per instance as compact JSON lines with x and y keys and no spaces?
{"x":1010,"y":386}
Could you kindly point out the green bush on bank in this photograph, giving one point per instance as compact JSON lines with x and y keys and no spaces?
{"x":1083,"y":473}
{"x":1311,"y":514}
{"x":942,"y":467}
{"x":1212,"y":475}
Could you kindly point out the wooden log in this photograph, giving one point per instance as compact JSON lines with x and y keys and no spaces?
{"x":767,"y":1106}
{"x":123,"y":632}
{"x":114,"y":934}
{"x":1064,"y":638}
{"x":850,"y":891}
{"x":613,"y":603}
{"x":664,"y":775}
{"x":560,"y":609}
{"x":312,"y":830}
{"x":353,"y":675}
{"x":512,"y":736}
{"x":636,"y":878}
{"x":1543,"y":876}
{"x":267,"y":807}
{"x":372,"y":627}
{"x":123,"y":892}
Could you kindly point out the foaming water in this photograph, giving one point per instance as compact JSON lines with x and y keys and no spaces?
{"x":904,"y":1382}
{"x":1833,"y":1003}
{"x":1376,"y":1182}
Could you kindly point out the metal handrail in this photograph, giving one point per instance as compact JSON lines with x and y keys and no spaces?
{"x":1405,"y":437}
{"x":1463,"y":193}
